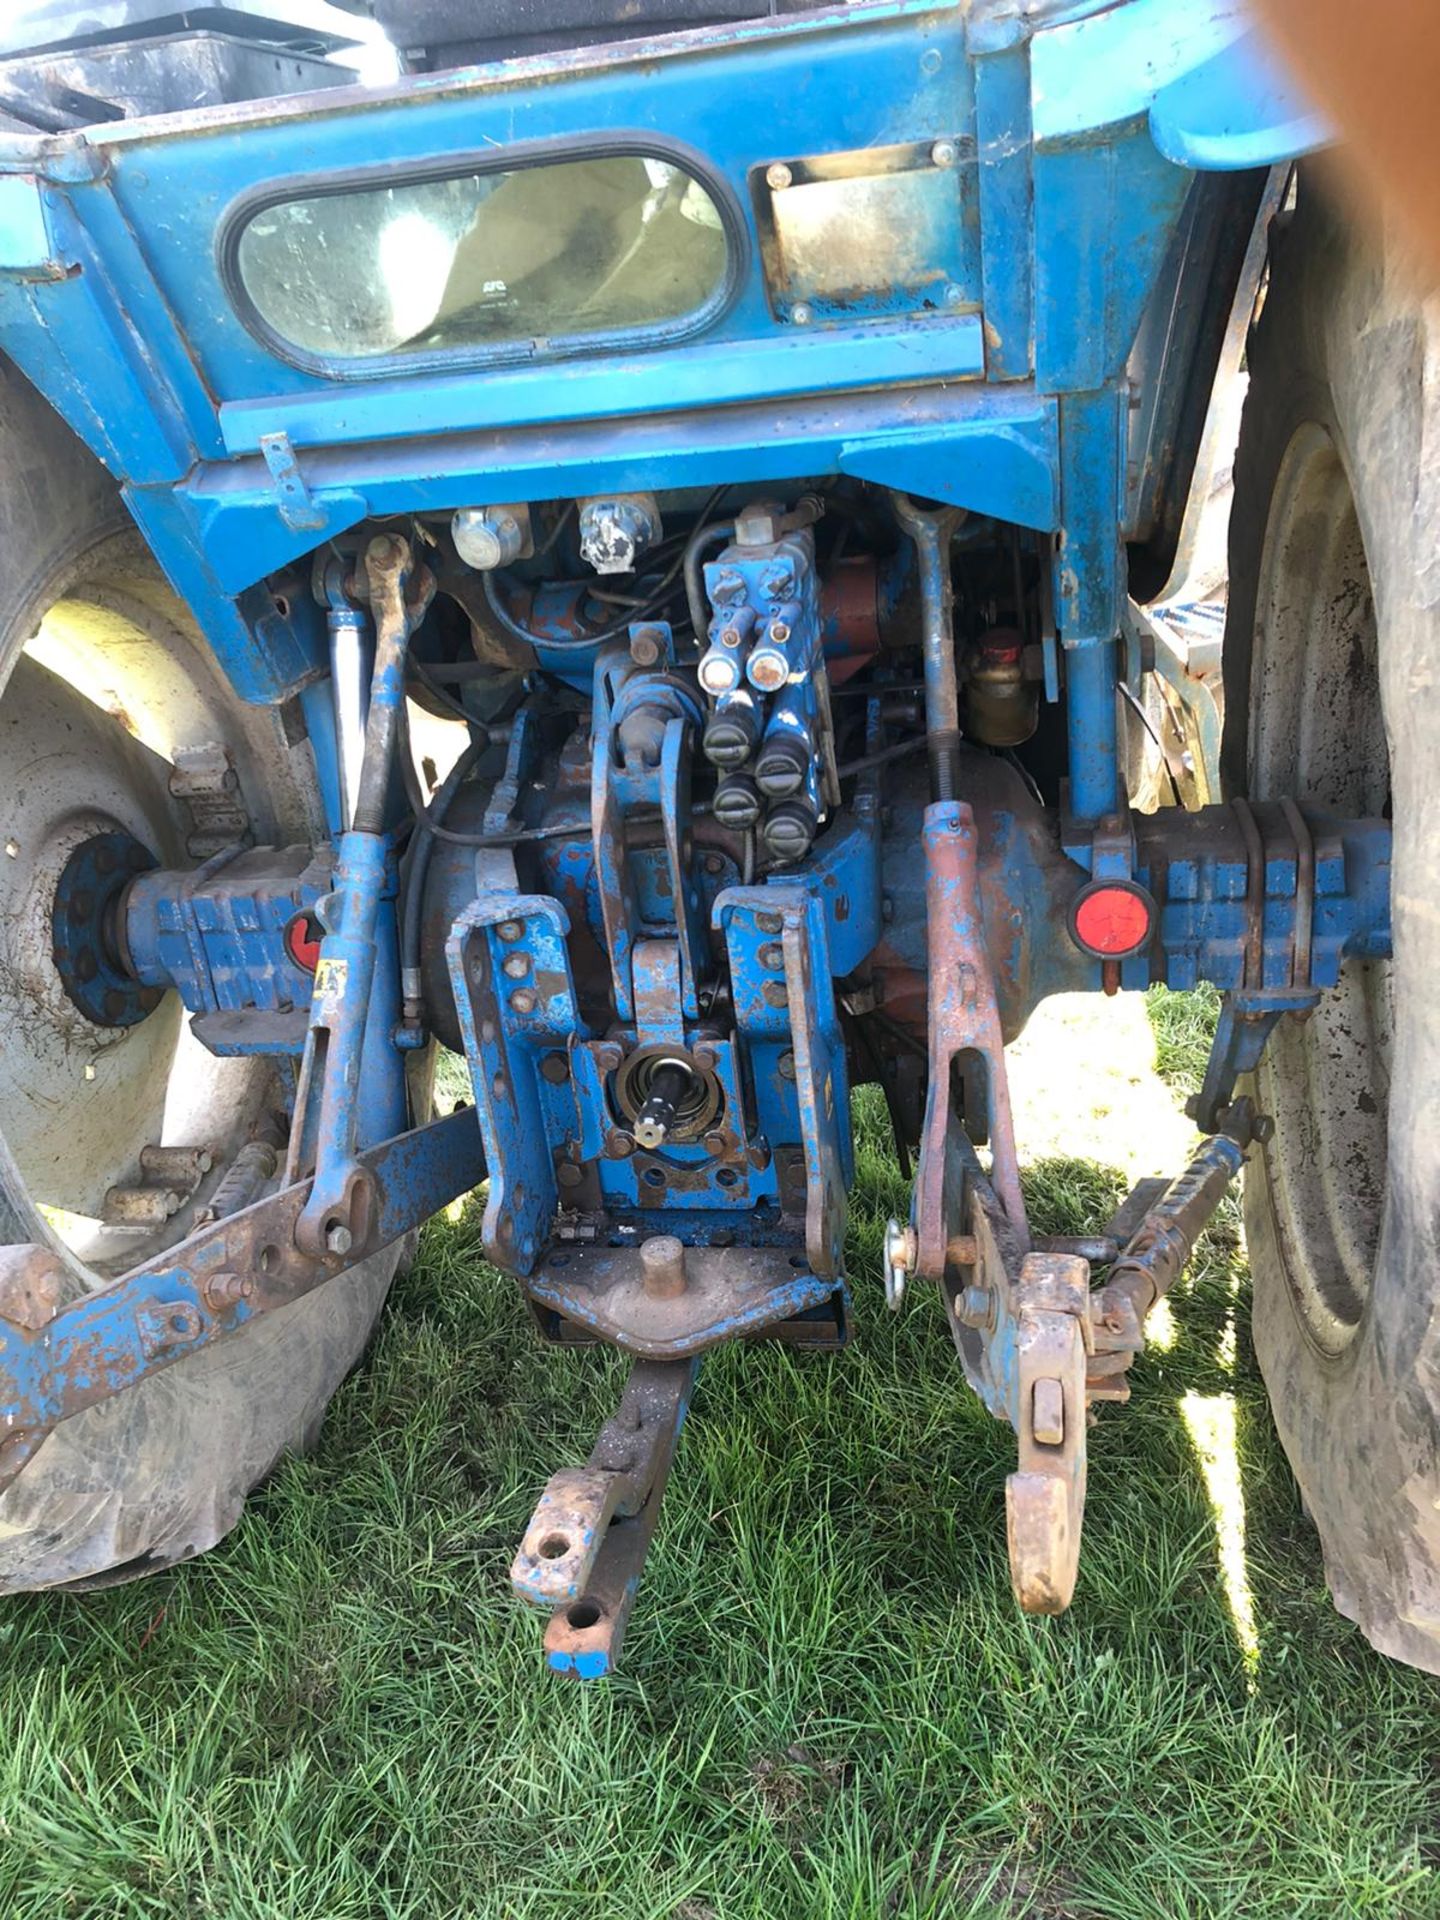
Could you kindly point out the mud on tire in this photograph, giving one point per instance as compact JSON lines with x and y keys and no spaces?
{"x":1333,"y":694}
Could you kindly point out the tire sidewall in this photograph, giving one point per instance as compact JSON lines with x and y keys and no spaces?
{"x":1344,"y":343}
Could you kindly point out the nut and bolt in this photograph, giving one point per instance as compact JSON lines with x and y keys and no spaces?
{"x":338,"y":1238}
{"x":224,"y":1290}
{"x":943,"y":153}
{"x":975,"y":1307}
{"x":568,"y":1174}
{"x":515,"y":966}
{"x":717,"y":1145}
{"x":785,"y":1066}
{"x":800,"y":314}
{"x":775,"y":993}
{"x":778,"y":177}
{"x":772,"y":956}
{"x":647,"y":645}
{"x":524,"y":1000}
{"x":608,"y":1057}
{"x":769,"y":923}
{"x":619,"y":1145}
{"x":511,"y":929}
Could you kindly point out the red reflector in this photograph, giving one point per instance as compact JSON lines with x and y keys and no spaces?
{"x":1112,"y":919}
{"x":302,"y":941}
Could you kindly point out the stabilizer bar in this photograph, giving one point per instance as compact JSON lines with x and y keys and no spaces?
{"x":211,"y":1286}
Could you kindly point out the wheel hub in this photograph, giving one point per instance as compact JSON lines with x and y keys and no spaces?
{"x":86,"y":932}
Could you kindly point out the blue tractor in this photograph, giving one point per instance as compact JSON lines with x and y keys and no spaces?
{"x":634,"y":547}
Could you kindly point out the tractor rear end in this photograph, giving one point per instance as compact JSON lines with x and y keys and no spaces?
{"x":661,"y":539}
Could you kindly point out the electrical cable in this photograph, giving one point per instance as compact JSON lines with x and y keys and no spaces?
{"x":583,"y":643}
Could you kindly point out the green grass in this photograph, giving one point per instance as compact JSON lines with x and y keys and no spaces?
{"x":829,"y":1705}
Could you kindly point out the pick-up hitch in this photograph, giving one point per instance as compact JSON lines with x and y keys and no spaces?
{"x":1038,"y":1345}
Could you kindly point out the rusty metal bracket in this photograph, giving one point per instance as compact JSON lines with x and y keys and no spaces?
{"x":966,"y":1048}
{"x":1022,"y":1324}
{"x":208,"y":1288}
{"x":726,"y":1293}
{"x":584,"y":1550}
{"x":1045,"y":1496}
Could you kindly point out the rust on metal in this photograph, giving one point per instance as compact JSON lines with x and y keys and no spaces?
{"x":965,"y":1035}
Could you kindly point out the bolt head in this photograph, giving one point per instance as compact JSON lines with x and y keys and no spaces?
{"x":338,"y":1238}
{"x":975,"y":1307}
{"x":801,"y":314}
{"x":619,"y":1145}
{"x":942,"y":154}
{"x":524,"y":1000}
{"x":785,"y":1066}
{"x":510,"y":929}
{"x":515,"y":966}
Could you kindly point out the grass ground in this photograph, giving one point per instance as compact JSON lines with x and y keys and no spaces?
{"x":830,"y":1707}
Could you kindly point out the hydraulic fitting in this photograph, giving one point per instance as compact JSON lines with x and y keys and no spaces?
{"x":737,"y":802}
{"x":784,"y":761}
{"x":732,"y":729}
{"x":616,"y":531}
{"x":490,"y":537}
{"x":790,"y":828}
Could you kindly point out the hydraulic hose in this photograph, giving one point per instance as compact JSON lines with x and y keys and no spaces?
{"x":421,"y":851}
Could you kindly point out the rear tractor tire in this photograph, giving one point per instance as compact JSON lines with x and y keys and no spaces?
{"x":1332,"y":655}
{"x":103,"y":680}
